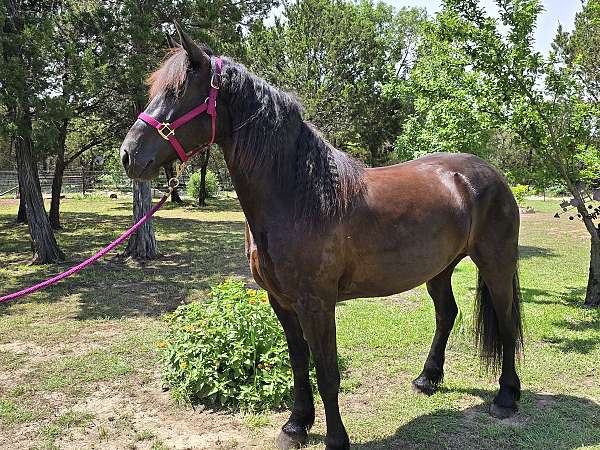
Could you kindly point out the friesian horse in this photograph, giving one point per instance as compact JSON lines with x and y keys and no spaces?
{"x":321,"y":228}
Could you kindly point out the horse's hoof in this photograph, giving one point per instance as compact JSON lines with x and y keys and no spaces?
{"x":286,"y":441}
{"x":424,"y":385}
{"x":502,"y":412}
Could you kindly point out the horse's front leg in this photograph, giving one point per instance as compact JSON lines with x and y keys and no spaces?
{"x":317,"y":319}
{"x":295,"y":431}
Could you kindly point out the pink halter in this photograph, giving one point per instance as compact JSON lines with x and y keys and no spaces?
{"x":167,"y":130}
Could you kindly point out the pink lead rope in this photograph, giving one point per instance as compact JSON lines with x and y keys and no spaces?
{"x":88,"y":261}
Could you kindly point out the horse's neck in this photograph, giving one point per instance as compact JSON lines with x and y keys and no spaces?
{"x":263,"y":198}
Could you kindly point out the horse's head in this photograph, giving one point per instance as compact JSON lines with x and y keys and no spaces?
{"x":182,"y":114}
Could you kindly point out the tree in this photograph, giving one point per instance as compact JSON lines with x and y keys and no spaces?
{"x":84,"y":116}
{"x":445,"y":116}
{"x":583,"y":48}
{"x":336,"y":55}
{"x":542,"y":102}
{"x":26,"y":43}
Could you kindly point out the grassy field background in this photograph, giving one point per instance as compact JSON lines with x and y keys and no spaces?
{"x":78,"y":361}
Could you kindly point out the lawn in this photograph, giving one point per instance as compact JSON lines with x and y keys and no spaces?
{"x":78,"y":361}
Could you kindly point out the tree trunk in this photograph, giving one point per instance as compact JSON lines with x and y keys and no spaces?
{"x":142,"y":245}
{"x":57,"y":180}
{"x":44,"y":246}
{"x":170,"y":173}
{"x":592,"y":295}
{"x":22,"y":214}
{"x":83,"y":178}
{"x":202,"y":193}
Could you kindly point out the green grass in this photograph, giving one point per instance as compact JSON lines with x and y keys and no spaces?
{"x":67,"y":351}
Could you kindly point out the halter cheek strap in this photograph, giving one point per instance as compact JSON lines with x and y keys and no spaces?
{"x":167,"y":130}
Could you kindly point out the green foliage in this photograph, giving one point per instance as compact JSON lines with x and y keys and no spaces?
{"x":584,"y":48}
{"x":520,"y":191}
{"x":228,"y":350}
{"x":211,"y":184}
{"x":336,"y":55}
{"x":589,"y":160}
{"x":446,"y":117}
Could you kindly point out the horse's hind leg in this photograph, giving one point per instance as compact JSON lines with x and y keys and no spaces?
{"x":295,"y":431}
{"x":440,"y":290}
{"x":498,"y":321}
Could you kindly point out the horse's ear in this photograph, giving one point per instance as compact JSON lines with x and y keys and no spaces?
{"x":171,"y":42}
{"x":198,"y":57}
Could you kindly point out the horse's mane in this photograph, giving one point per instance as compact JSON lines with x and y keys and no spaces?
{"x":268,"y":130}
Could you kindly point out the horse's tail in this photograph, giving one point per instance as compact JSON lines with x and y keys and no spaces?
{"x":487,"y":330}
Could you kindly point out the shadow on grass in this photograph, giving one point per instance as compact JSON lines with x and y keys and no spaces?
{"x":572,"y":296}
{"x":544,"y":421}
{"x":529,"y":251}
{"x":194,"y":255}
{"x":567,"y":342}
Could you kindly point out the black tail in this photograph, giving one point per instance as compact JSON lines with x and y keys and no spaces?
{"x":487,"y":332}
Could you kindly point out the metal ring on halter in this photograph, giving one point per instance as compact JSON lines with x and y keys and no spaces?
{"x":212,"y":81}
{"x":173,"y":183}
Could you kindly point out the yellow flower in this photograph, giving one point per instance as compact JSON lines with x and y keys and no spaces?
{"x":252,"y":301}
{"x":161,"y":344}
{"x":251,"y":292}
{"x":183,"y":365}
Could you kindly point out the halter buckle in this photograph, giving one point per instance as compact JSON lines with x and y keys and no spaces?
{"x":167,"y":126}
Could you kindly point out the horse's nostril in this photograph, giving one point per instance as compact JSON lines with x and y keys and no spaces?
{"x":125,"y":159}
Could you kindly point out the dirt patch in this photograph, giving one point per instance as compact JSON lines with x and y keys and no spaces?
{"x":29,"y":349}
{"x":142,"y":416}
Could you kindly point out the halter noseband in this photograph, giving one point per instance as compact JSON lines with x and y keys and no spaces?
{"x":167,"y":130}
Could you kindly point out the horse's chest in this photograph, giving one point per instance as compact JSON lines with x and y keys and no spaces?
{"x":261,"y":263}
{"x":285,"y":267}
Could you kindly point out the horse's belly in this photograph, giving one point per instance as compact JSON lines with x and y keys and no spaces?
{"x":386,"y":260}
{"x":388,"y":275}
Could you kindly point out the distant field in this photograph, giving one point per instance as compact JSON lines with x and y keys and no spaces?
{"x":78,"y":361}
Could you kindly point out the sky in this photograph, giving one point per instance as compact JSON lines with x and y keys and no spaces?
{"x":555,"y":12}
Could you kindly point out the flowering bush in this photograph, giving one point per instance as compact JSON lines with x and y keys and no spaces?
{"x":227,"y":351}
{"x":520,"y":191}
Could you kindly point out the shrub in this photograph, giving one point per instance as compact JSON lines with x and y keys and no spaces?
{"x":227,"y":351}
{"x":212,"y":184}
{"x":519,"y":191}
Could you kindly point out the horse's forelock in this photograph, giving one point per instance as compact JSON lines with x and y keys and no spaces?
{"x":171,"y":74}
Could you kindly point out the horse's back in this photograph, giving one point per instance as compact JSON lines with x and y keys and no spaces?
{"x":455,"y":180}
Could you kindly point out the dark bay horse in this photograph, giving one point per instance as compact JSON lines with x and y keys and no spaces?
{"x":321,"y":228}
